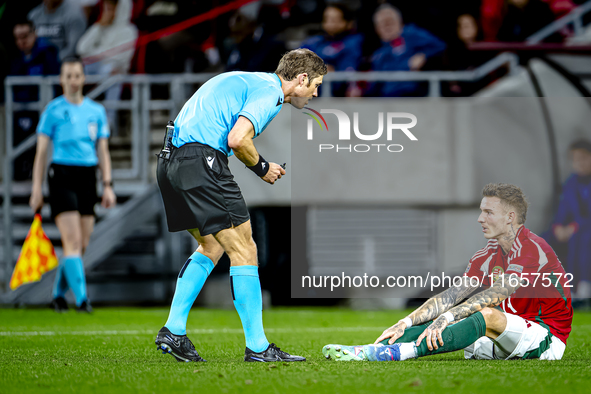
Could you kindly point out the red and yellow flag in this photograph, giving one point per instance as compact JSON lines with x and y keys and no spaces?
{"x":36,"y":258}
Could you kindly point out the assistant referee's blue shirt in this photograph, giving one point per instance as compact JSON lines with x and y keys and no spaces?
{"x":208,"y":116}
{"x":74,"y":130}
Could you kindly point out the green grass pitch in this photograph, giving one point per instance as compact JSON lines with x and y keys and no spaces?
{"x":113,"y":351}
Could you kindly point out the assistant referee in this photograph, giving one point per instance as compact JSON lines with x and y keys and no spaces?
{"x":78,"y":128}
{"x":201,"y":196}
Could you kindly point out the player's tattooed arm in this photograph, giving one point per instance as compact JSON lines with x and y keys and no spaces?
{"x":441,"y":303}
{"x":430,"y":310}
{"x":491,"y":297}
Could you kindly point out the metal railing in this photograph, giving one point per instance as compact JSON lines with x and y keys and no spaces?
{"x":434,"y":78}
{"x":141,"y":103}
{"x":575,"y":17}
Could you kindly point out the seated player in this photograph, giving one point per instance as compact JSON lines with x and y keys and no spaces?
{"x":528,"y":283}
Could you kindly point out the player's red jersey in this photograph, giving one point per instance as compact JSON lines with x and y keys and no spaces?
{"x":546,"y":300}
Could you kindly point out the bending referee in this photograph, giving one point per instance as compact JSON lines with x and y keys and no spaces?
{"x":201,"y":196}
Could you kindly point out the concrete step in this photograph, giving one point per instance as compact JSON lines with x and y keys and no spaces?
{"x":122,"y":188}
{"x":118,"y":155}
{"x":20,"y":231}
{"x":16,"y":250}
{"x":128,"y":263}
{"x":22,"y":212}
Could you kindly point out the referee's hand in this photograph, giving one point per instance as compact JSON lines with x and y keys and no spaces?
{"x":109,"y":199}
{"x":36,"y":200}
{"x":275,"y":173}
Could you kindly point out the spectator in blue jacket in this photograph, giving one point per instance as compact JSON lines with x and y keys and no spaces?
{"x":338,"y":46}
{"x":35,"y":56}
{"x":404,"y":48}
{"x":572,"y":223}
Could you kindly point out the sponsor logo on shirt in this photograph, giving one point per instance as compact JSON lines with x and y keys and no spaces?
{"x":515,"y":267}
{"x":51,"y":31}
{"x":468,"y":268}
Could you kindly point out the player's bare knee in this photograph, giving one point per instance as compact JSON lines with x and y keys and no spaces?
{"x":486,"y":313}
{"x":495,"y":320}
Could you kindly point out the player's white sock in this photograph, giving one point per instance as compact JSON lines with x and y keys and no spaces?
{"x":408,"y":350}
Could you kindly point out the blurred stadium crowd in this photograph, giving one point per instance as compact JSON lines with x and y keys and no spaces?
{"x":192,"y":36}
{"x":132,"y":36}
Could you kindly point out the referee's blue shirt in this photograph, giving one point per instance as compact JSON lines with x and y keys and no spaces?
{"x":208,"y":116}
{"x":74,"y":130}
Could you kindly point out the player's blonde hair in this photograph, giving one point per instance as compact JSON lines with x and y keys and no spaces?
{"x":510,"y":196}
{"x":300,"y":61}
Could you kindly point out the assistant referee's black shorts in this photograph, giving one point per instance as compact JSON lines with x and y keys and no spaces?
{"x":72,"y":188}
{"x":199,"y":190}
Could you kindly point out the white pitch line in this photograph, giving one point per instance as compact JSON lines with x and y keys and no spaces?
{"x":194,"y":331}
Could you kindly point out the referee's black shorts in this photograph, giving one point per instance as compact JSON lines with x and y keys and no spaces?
{"x":72,"y":188}
{"x":199,"y":190}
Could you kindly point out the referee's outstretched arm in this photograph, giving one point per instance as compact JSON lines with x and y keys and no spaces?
{"x":240,"y":141}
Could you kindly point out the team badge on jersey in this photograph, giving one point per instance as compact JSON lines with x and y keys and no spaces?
{"x":92,"y":130}
{"x":497,"y":272}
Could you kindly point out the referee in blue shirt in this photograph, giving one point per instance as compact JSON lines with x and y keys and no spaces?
{"x":201,"y":196}
{"x":78,"y":128}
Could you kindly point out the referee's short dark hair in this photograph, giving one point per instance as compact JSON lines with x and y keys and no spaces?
{"x":73,"y":59}
{"x":300,"y":61}
{"x":580,"y":144}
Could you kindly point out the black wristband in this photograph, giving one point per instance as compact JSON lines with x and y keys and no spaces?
{"x":261,"y":168}
{"x":108,"y":183}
